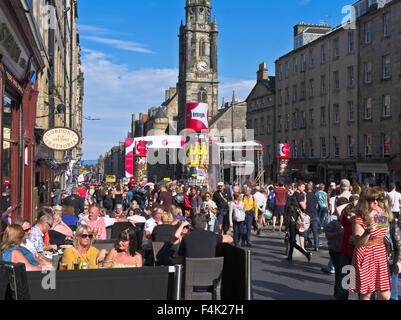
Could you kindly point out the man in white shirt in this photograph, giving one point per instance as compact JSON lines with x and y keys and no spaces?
{"x":394,"y":201}
{"x":150,"y":225}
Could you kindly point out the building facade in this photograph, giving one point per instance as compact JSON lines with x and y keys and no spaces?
{"x":20,"y":65}
{"x":379,"y":107}
{"x":261,"y":116}
{"x":61,"y":88}
{"x":316,"y":95}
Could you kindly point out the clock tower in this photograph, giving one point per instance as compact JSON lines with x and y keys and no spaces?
{"x":198,"y":76}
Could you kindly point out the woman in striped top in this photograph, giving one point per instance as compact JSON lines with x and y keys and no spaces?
{"x":370,"y":259}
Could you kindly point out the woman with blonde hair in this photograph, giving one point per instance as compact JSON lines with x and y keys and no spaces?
{"x":370,"y":259}
{"x":12,"y":251}
{"x":82,"y":250}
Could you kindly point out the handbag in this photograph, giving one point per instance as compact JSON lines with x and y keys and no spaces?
{"x":303,"y":222}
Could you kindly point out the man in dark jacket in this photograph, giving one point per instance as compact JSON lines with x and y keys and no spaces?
{"x":75,"y":201}
{"x":222,"y":198}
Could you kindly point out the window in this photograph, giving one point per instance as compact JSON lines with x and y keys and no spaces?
{"x":368,"y":72}
{"x":336,"y":48}
{"x":385,"y":145}
{"x":255,"y":127}
{"x":287,"y":70}
{"x":280,"y":98}
{"x":368,"y":109}
{"x":323,"y":116}
{"x":386,"y":61}
{"x":295,"y":64}
{"x":287,"y":95}
{"x":294,"y":120}
{"x":386,"y":103}
{"x":311,"y":149}
{"x":287,"y":122}
{"x":311,"y":58}
{"x":294,"y":149}
{"x":336,"y":148}
{"x":367,"y":145}
{"x":368,"y":32}
{"x":351,"y":42}
{"x":262,"y":126}
{"x":323,"y":53}
{"x":280,"y":71}
{"x":303,"y":119}
{"x":202,"y":48}
{"x":336,"y":80}
{"x":280,"y":123}
{"x":302,"y":147}
{"x":303,"y":66}
{"x":386,"y":24}
{"x":311,"y":88}
{"x":350,"y":76}
{"x":336,"y":116}
{"x":311,"y":118}
{"x":350,"y":146}
{"x":202,"y":95}
{"x":350,"y":111}
{"x":268,"y":125}
{"x":303,"y":89}
{"x":294,"y":93}
{"x":323,"y":151}
{"x":323,"y":88}
{"x":6,"y":161}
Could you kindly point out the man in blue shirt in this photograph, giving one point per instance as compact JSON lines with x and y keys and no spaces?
{"x":311,"y":211}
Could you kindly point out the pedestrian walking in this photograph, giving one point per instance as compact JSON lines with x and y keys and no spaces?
{"x":251,"y":214}
{"x":370,"y":259}
{"x":237,"y":218}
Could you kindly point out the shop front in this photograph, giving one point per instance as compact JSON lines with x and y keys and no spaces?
{"x":20,"y":61}
{"x":374,"y":173}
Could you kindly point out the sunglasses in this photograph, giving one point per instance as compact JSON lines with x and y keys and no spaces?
{"x":376,"y":199}
{"x":27,"y":230}
{"x":51,"y":226}
{"x":84,"y":236}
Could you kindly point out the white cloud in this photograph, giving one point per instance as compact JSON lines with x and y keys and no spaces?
{"x":119,"y":44}
{"x":113,"y":93}
{"x":242,"y":88}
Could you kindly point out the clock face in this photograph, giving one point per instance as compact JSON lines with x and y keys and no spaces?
{"x":202,"y":66}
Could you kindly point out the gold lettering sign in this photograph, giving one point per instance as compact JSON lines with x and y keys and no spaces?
{"x":61,"y":139}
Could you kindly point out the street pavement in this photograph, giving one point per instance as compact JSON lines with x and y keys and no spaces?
{"x":275,"y":278}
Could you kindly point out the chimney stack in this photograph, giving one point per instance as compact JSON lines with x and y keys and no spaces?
{"x":263,"y":73}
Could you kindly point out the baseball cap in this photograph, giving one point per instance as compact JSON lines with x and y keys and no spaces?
{"x":332,"y":184}
{"x":119,"y":206}
{"x":220,"y":184}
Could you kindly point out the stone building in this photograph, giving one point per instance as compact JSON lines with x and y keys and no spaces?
{"x":198,"y":69}
{"x":316,"y":95}
{"x":260,"y":117}
{"x":378,"y":109}
{"x":61,"y":86}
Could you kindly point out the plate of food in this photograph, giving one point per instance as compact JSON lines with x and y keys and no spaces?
{"x":65,"y":246}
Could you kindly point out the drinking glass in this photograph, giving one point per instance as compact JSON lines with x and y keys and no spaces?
{"x":63,"y":266}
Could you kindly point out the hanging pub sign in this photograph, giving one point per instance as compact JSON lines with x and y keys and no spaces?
{"x":61,"y":139}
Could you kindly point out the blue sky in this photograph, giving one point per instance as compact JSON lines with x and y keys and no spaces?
{"x":130,"y":53}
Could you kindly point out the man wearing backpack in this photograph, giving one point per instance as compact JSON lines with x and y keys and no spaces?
{"x":251,"y":214}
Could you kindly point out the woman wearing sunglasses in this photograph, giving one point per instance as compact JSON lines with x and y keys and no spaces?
{"x":82,"y":250}
{"x":370,"y":258}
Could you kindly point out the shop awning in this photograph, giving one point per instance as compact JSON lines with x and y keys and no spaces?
{"x":372,"y":168}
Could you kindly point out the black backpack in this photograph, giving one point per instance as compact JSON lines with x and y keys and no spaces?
{"x":179,"y":200}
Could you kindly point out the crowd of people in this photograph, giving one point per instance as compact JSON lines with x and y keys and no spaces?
{"x":360,"y":224}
